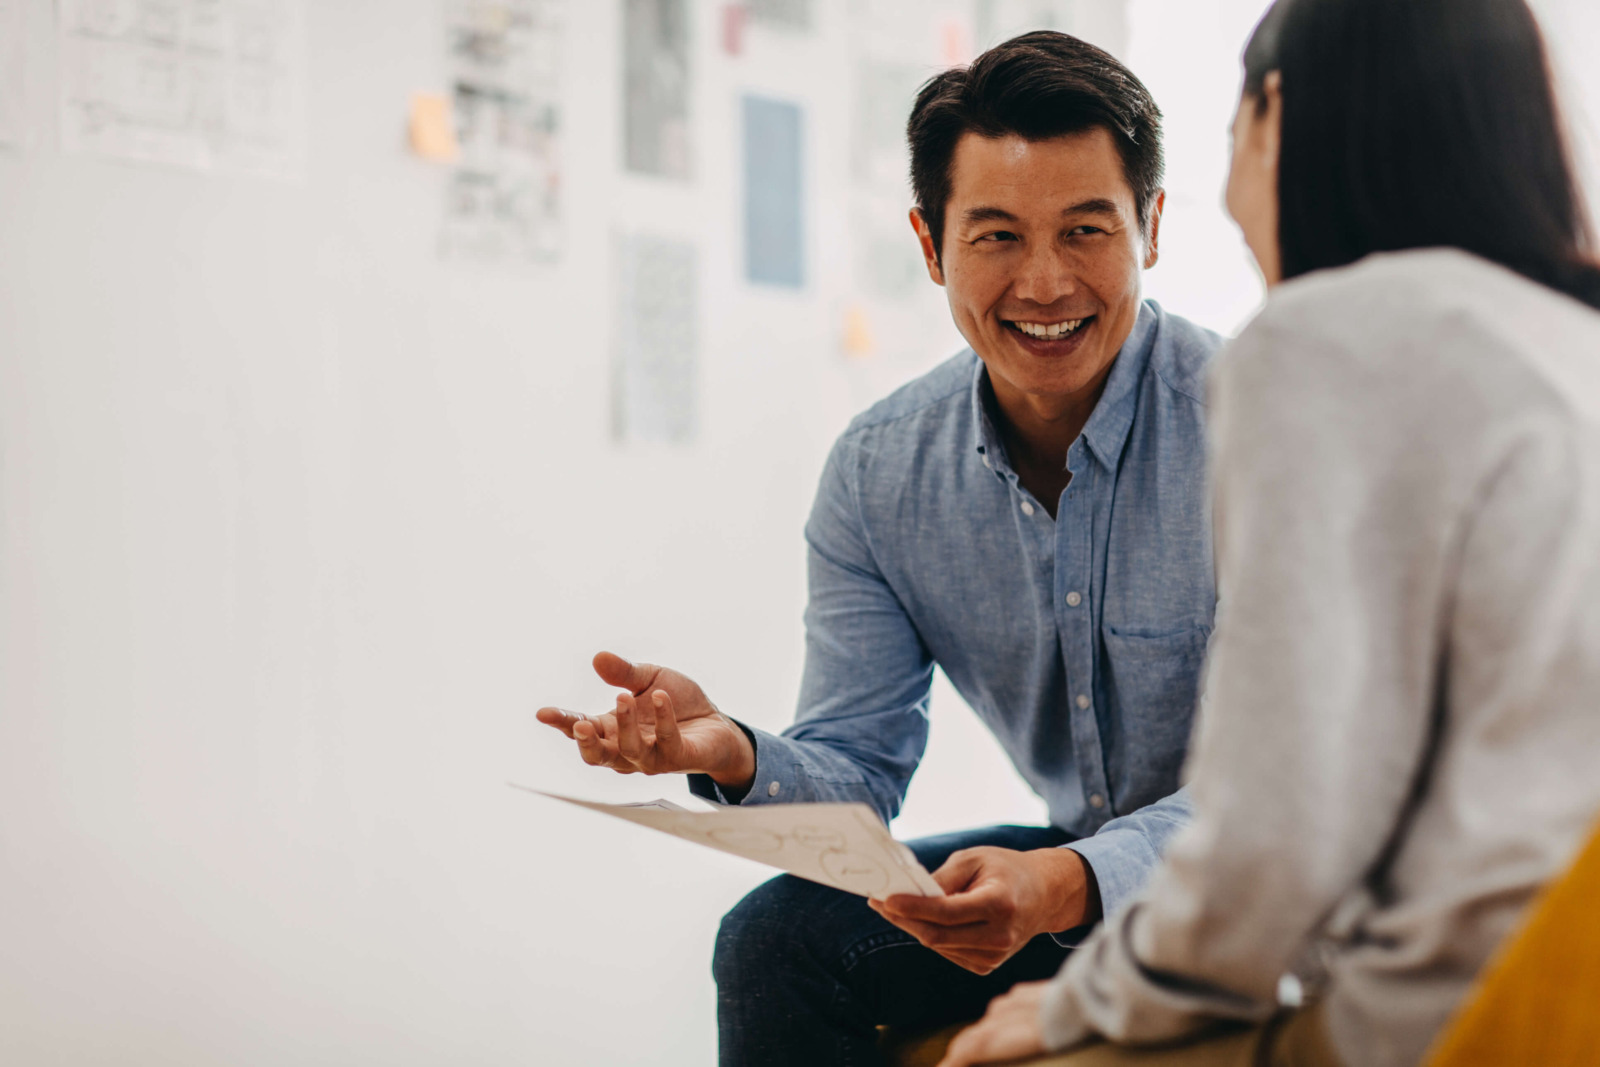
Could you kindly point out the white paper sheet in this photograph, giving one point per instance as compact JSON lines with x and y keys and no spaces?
{"x":214,"y":85}
{"x":13,"y":27}
{"x":842,"y":845}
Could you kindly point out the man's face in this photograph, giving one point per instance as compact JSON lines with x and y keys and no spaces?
{"x":1042,"y":258}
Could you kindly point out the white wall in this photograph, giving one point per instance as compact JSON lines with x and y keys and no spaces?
{"x":298,"y":525}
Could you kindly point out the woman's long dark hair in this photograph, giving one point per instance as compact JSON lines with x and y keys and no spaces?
{"x":1417,"y":124}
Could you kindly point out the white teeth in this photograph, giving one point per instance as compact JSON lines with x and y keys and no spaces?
{"x":1048,"y":331}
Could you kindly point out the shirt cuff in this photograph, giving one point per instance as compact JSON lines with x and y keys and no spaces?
{"x":775,"y":780}
{"x":1120,"y":862}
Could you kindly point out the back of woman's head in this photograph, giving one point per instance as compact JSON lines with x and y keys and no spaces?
{"x":1421,"y":123}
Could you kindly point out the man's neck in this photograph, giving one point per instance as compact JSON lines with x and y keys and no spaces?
{"x":1038,"y":431}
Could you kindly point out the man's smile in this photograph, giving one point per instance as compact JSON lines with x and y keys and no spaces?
{"x":1050,"y":338}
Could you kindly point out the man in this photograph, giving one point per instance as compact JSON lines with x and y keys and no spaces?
{"x":1029,"y":517}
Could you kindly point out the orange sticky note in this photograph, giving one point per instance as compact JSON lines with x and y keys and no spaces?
{"x":858,"y":342}
{"x":433,"y":128}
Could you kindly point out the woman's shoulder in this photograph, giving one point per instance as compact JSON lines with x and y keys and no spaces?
{"x":1420,"y":316}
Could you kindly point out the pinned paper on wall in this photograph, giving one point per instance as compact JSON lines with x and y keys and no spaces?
{"x":1000,"y":20}
{"x":654,"y":350}
{"x":780,"y":14}
{"x":202,"y":84}
{"x":13,"y":108}
{"x":655,"y":62}
{"x":432,"y":128}
{"x":773,"y":235}
{"x":503,"y":203}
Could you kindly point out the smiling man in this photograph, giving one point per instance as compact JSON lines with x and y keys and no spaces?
{"x":1029,"y":517}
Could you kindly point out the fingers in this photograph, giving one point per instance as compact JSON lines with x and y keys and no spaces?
{"x":980,"y":906}
{"x":630,"y":743}
{"x":614,"y":670}
{"x":666,"y":724}
{"x":561,"y":720}
{"x":598,"y":746}
{"x":936,"y":936}
{"x":959,"y":871}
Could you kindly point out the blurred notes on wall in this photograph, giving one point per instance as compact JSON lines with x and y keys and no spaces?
{"x":773,"y":237}
{"x":654,"y":349}
{"x":503,"y":203}
{"x":780,"y":14}
{"x":214,"y":85}
{"x":13,"y":26}
{"x":655,"y":60}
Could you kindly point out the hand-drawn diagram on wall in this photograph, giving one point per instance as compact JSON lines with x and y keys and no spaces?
{"x":13,"y":110}
{"x":653,"y":362}
{"x":504,"y":199}
{"x":842,"y":845}
{"x":208,"y":84}
{"x":655,"y":61}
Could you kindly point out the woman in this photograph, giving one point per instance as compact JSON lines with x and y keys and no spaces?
{"x":1402,"y":724}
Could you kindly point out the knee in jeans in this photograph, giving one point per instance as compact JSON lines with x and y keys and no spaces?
{"x":761,"y":928}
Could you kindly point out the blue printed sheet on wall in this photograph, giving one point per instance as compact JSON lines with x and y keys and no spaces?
{"x":774,"y":237}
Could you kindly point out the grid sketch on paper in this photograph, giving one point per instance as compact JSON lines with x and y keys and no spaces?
{"x":213,"y":85}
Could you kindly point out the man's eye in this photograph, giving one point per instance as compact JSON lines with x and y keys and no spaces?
{"x":1085,"y":230}
{"x":999,"y":235}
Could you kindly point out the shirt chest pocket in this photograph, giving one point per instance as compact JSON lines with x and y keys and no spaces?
{"x":1155,"y":682}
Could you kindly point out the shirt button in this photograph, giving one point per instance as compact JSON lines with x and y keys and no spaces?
{"x":1074,"y":599}
{"x":1083,"y":701}
{"x":772,"y":790}
{"x":1096,"y":801}
{"x":1027,"y":508}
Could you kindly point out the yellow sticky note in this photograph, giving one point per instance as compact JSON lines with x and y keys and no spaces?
{"x":858,"y":340}
{"x":433,"y":129}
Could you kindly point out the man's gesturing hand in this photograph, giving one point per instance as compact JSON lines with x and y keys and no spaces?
{"x":663,"y":723}
{"x":998,"y":900}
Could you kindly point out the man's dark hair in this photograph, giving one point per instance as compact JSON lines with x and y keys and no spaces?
{"x":1419,"y":124}
{"x":1038,"y":86}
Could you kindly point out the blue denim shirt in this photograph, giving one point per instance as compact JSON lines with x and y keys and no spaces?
{"x":1079,"y":641}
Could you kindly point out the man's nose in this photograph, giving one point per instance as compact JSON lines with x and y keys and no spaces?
{"x":1044,"y":276}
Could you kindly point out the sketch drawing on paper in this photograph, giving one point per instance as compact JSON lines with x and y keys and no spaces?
{"x":653,"y":363}
{"x":504,"y":198}
{"x":13,"y":110}
{"x":214,"y":85}
{"x":842,"y":845}
{"x":655,"y":61}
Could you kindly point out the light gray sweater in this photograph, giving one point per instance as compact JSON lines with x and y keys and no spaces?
{"x":1400,"y":740}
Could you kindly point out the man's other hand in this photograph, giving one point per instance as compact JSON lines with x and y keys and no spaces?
{"x":997,"y":901}
{"x":1008,"y":1031}
{"x":663,"y":724}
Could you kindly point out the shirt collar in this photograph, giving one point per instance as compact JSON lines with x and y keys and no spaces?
{"x":1107,"y":428}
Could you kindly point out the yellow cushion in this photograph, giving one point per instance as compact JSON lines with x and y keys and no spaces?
{"x":1538,"y":1002}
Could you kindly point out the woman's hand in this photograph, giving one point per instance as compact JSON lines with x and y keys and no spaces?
{"x":1009,"y":1030}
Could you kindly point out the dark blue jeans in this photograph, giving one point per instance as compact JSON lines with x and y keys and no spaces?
{"x":805,"y":974}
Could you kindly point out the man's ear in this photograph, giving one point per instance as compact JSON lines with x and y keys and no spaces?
{"x":930,"y":253}
{"x":1152,"y":237}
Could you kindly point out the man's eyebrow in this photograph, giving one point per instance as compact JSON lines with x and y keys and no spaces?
{"x":1097,"y":206}
{"x":987,"y":214}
